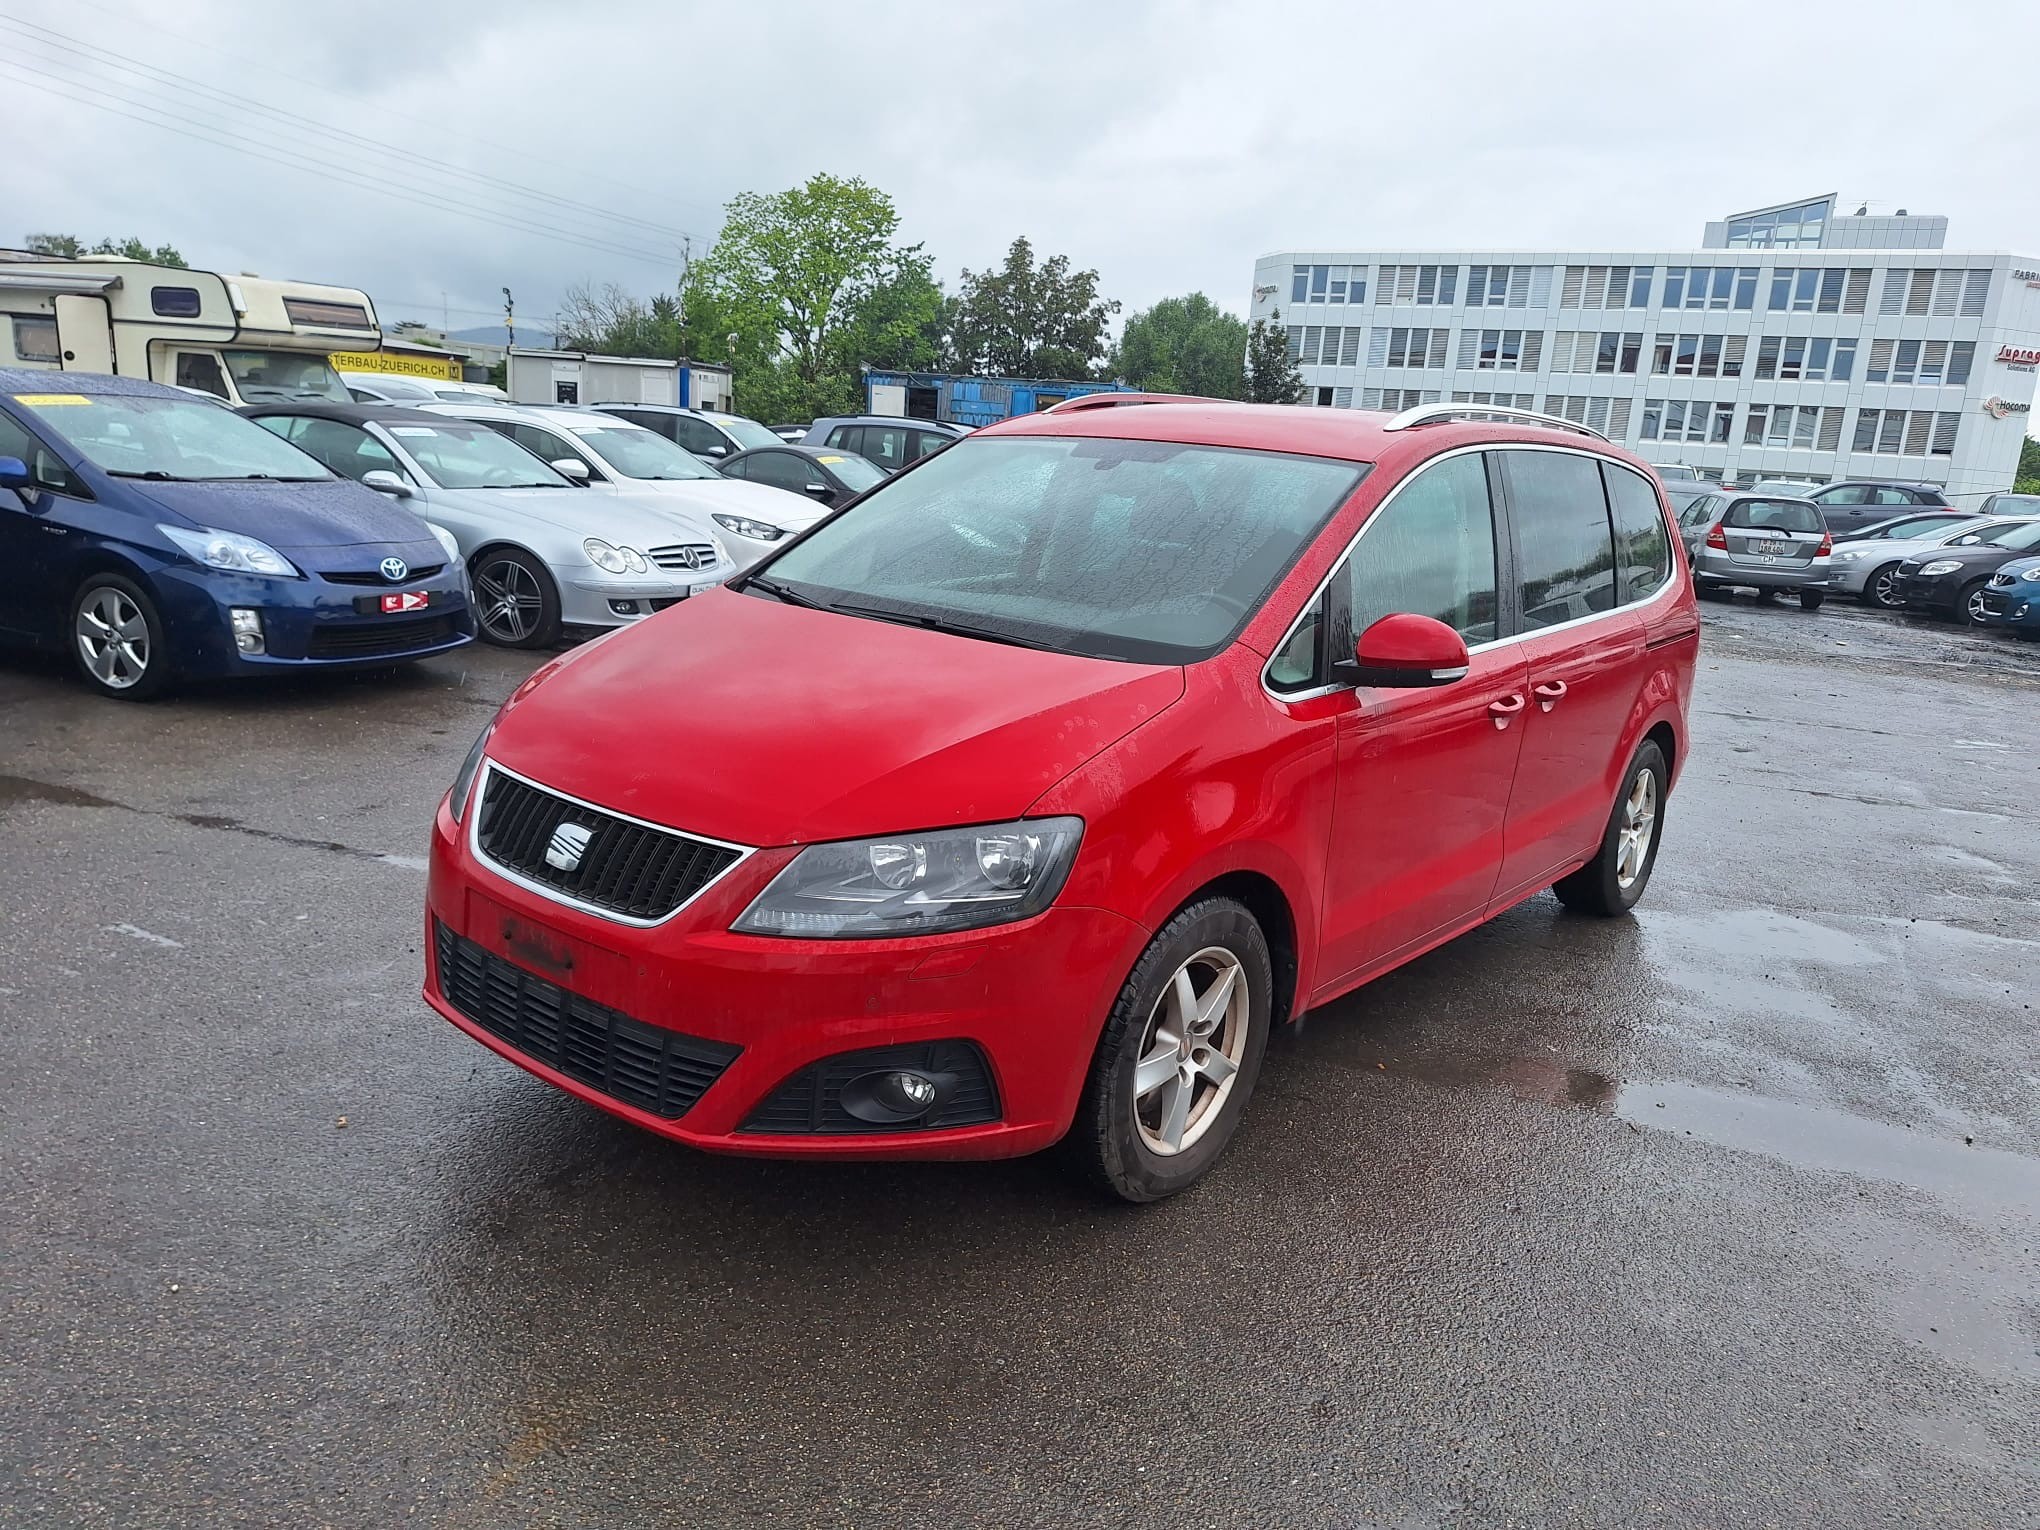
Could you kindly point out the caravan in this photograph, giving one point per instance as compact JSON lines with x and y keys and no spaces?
{"x":242,"y":339}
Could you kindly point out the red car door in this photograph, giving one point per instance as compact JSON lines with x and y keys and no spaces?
{"x":1585,"y":655}
{"x":1423,"y":775}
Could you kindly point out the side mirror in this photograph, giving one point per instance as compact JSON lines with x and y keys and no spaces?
{"x":1406,"y":651}
{"x":383,"y":481}
{"x":14,"y":474}
{"x":718,"y":451}
{"x":573,"y":468}
{"x":820,"y":490}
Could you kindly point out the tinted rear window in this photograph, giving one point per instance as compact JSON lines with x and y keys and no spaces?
{"x":1774,"y":515}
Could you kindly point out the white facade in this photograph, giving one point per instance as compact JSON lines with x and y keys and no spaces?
{"x":1787,"y":348}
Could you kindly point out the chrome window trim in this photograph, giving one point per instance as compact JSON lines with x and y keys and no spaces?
{"x":553,"y":894}
{"x":1670,"y":583}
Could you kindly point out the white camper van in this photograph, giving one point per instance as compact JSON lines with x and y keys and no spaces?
{"x":240,"y":338}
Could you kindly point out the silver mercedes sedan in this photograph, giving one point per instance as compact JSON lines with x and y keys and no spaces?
{"x":542,"y":551}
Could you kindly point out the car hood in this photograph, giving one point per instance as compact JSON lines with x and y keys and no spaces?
{"x":1970,"y":557}
{"x":737,"y":717}
{"x":599,"y":510}
{"x":303,"y":516}
{"x":732,"y":496}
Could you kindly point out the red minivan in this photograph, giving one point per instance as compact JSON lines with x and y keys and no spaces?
{"x":1015,"y":803}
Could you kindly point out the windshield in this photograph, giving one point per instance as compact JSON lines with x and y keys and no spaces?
{"x":749,"y":433}
{"x":136,"y":436}
{"x":268,"y":377}
{"x":474,"y":457}
{"x":2018,"y":536}
{"x":1773,"y":515}
{"x":638,"y":453}
{"x":1146,"y":551}
{"x":857,"y":473}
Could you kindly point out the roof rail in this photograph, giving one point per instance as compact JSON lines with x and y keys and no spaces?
{"x":1113,"y":400}
{"x":1437,"y":414}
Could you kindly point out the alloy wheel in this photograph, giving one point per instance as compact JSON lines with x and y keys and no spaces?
{"x":509,"y":600}
{"x":113,"y":638}
{"x":1974,"y":606}
{"x":1191,"y":1051}
{"x":1883,"y":588}
{"x":1639,"y":825}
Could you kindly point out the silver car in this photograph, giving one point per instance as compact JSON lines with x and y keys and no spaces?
{"x":1761,"y":542}
{"x":1865,"y":568}
{"x":750,"y":518}
{"x":543,"y":552}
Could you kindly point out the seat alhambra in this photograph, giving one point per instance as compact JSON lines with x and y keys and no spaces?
{"x":1015,"y":804}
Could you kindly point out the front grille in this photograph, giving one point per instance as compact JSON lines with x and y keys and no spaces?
{"x":365,"y":639}
{"x":662,"y":602}
{"x":681,"y":557}
{"x":375,"y":576}
{"x":627,"y":868}
{"x":2002,"y":578}
{"x":659,"y":1071}
{"x":811,"y":1102}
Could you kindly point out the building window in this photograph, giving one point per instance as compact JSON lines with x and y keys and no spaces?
{"x":1793,"y":358}
{"x":1787,"y":228}
{"x":1678,"y":419}
{"x":1907,"y":432}
{"x":1606,"y":287}
{"x":1927,"y":290}
{"x":1326,"y":345}
{"x":1502,"y":286}
{"x":1803,"y":426}
{"x":1410,"y":348}
{"x":1327,"y":284}
{"x":1498,"y":400}
{"x":1961,"y":356}
{"x":1397,"y":399}
{"x":35,"y":337}
{"x":1501,"y":350}
{"x":1426,"y":286}
{"x":1715,"y":287}
{"x":1698,"y":355}
{"x":1930,"y":362}
{"x":1610,"y":416}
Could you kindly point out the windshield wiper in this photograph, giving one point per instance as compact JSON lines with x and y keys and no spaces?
{"x":944,"y":624}
{"x":156,"y":475}
{"x":256,"y":477}
{"x":779,"y":591}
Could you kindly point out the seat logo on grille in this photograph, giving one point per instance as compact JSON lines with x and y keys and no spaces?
{"x":568,"y":844}
{"x":394,"y":569}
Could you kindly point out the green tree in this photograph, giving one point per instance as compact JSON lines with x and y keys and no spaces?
{"x":1184,"y":345}
{"x":70,"y":247}
{"x":1029,"y":320}
{"x":788,"y":278}
{"x":613,"y":322}
{"x":2028,"y":479}
{"x":1272,"y":377}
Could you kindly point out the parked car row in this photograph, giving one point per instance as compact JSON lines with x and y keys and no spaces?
{"x":156,"y":534}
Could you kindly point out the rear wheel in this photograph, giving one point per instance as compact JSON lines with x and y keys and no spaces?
{"x":1810,"y":600}
{"x":1178,"y":1057}
{"x":1970,"y":606}
{"x":117,"y":639}
{"x":1615,"y":878}
{"x":517,"y":605}
{"x":1881,"y":588}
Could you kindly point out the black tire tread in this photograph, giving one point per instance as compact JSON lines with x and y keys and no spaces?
{"x":1592,"y":889}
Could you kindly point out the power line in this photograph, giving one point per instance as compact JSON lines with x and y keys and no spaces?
{"x":155,"y":77}
{"x":347,"y":174}
{"x":437,"y":125}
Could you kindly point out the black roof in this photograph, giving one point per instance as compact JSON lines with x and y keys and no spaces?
{"x":352,"y":414}
{"x":798,"y":448}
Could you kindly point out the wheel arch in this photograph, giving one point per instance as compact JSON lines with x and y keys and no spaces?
{"x":1263,"y":896}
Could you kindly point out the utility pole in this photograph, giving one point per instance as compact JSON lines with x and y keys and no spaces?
{"x":509,"y":317}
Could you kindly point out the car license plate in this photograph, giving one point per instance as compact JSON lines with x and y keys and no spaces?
{"x":1774,"y":548}
{"x":408,"y":600}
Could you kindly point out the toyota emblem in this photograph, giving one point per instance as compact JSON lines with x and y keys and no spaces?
{"x":394,"y":569}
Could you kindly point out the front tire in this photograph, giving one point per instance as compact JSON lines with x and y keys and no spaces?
{"x":1179,"y":1055}
{"x":1969,"y":604}
{"x":117,"y":639}
{"x":1881,"y":591}
{"x":1613,"y":881}
{"x":517,"y":605}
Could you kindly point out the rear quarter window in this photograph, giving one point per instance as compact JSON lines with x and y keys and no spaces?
{"x":1643,"y":552}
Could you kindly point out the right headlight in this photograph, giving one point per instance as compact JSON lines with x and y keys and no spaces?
{"x":464,"y":783}
{"x":231,"y":552}
{"x":2032,"y":573}
{"x":1942,"y":566}
{"x":614,"y":560}
{"x":918,"y":884}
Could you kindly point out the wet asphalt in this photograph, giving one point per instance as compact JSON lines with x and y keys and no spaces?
{"x":1727,"y":1215}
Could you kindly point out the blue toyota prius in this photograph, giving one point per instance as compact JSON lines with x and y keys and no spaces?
{"x":157,"y":536}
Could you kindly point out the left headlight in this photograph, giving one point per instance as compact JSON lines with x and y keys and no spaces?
{"x":446,"y":541}
{"x":1942,"y":566}
{"x":742,"y":526}
{"x":918,"y":884}
{"x":2032,"y":573}
{"x":231,"y":551}
{"x":614,"y":560}
{"x":464,"y":783}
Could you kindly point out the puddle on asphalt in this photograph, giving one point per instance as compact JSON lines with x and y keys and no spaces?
{"x":1987,"y":1180}
{"x":18,"y":789}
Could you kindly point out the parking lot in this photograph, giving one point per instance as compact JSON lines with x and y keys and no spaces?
{"x":1722,"y":1216}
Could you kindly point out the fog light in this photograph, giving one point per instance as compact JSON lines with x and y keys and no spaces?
{"x":247,"y":625}
{"x":891,"y":1097}
{"x":625,"y":608}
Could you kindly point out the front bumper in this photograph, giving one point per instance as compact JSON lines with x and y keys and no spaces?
{"x":1853,"y":577}
{"x":1937,"y":595}
{"x":595,"y":599}
{"x":2013,"y":605}
{"x":307,"y":623}
{"x":1032,"y":996}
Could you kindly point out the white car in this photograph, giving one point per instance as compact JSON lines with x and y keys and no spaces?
{"x":585,"y":443}
{"x":543,"y":552}
{"x":394,"y":388}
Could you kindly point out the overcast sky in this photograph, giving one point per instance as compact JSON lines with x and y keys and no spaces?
{"x":1166,"y":144}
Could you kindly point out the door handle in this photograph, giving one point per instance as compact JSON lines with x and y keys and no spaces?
{"x":1504,"y":711}
{"x":1549,"y":693}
